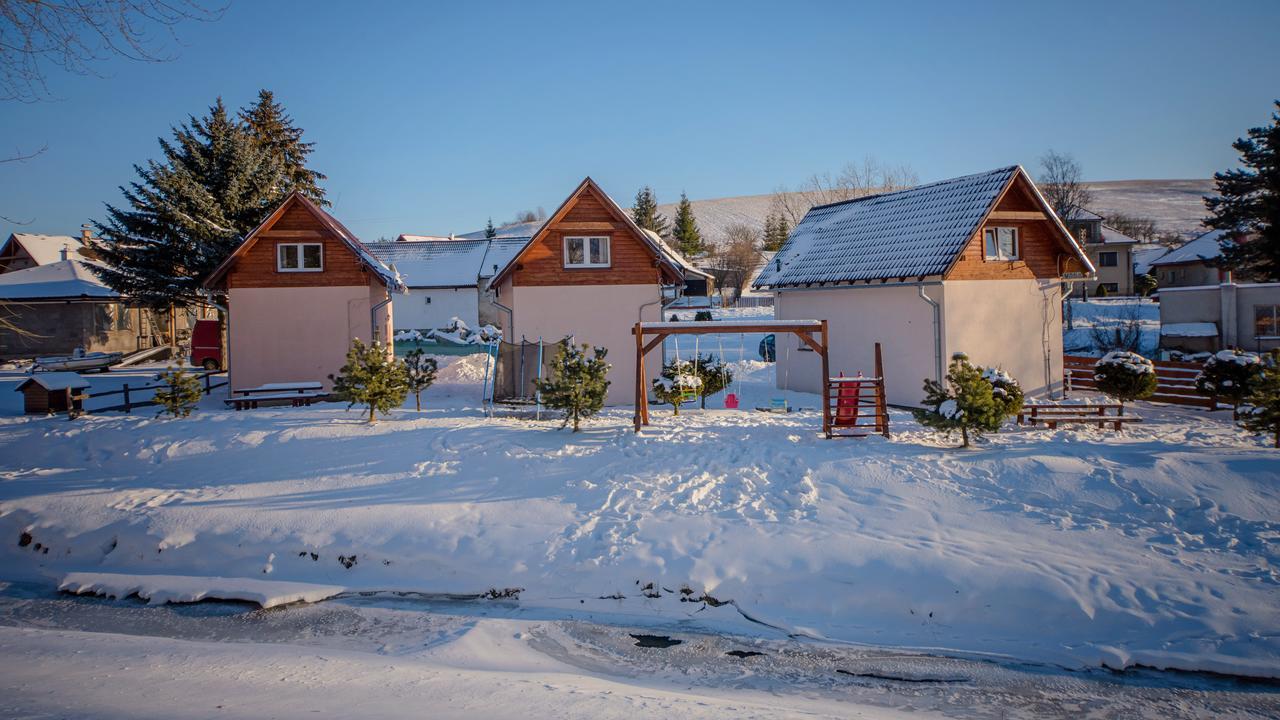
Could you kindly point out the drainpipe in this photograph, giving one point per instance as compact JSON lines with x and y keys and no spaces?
{"x":509,"y":330}
{"x":937,"y":333}
{"x":373,"y":317}
{"x":1228,"y":323}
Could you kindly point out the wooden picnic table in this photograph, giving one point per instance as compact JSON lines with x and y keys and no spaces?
{"x":301,"y":387}
{"x":1099,"y":413}
{"x":296,"y":393}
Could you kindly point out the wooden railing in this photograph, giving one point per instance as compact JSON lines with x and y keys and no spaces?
{"x":1175,"y":381}
{"x":128,"y":393}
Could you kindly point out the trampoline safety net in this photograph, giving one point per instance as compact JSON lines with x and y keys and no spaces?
{"x":516,"y":367}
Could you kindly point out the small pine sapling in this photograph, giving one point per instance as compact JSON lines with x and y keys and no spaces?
{"x":1229,"y":375}
{"x":371,"y":377}
{"x":420,"y":372}
{"x":678,"y":383}
{"x":1261,"y":414}
{"x":1125,"y":376}
{"x":181,"y":392}
{"x":1005,"y":391}
{"x":577,"y":385}
{"x":965,"y":401}
{"x":714,"y":374}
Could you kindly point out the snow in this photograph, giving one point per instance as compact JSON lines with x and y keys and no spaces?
{"x":1106,"y":315}
{"x":1190,"y":329}
{"x":948,"y":409}
{"x":1132,"y":362}
{"x":1205,"y":247}
{"x":59,"y":380}
{"x":431,"y":262}
{"x":60,"y":279}
{"x":184,"y":589}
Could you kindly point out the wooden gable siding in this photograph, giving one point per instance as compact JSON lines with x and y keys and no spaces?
{"x":1041,"y":254}
{"x":257,"y":267}
{"x":631,"y":262}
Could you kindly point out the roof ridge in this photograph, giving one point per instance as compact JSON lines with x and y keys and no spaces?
{"x":922,"y":186}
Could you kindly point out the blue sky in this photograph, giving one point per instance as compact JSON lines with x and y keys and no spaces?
{"x":433,"y":117}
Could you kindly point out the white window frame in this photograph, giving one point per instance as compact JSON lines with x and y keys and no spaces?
{"x":1000,"y":256}
{"x":280,"y":267}
{"x":1275,"y":321}
{"x":586,"y":252}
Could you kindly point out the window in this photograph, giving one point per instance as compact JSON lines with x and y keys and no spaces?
{"x":299,"y":257}
{"x":1266,"y":321}
{"x":586,"y":252}
{"x":122,"y":317}
{"x":1001,"y":243}
{"x":1108,"y":259}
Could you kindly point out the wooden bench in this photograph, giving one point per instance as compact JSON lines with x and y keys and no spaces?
{"x":297,"y":394}
{"x":1100,"y":414}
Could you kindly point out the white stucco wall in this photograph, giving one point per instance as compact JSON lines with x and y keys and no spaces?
{"x":1006,"y":323}
{"x":595,"y":314}
{"x":298,"y":334}
{"x":413,"y":312}
{"x":857,"y":318}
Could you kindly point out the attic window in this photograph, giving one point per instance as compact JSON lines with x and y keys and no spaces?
{"x":586,"y":252}
{"x":1000,"y":243}
{"x":299,"y":257}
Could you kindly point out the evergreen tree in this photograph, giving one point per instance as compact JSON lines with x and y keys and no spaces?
{"x":776,"y":231}
{"x":678,"y":383}
{"x":646,"y":214}
{"x":577,"y":384}
{"x":371,"y":378}
{"x":490,"y":232}
{"x":1229,"y":375}
{"x":181,"y":392}
{"x":714,"y":376}
{"x":187,"y":213}
{"x":1248,"y":201}
{"x":1145,"y":284}
{"x":420,"y":372}
{"x":1125,"y":376}
{"x":966,"y":401}
{"x":685,"y":230}
{"x":1263,"y":413}
{"x":274,"y":131}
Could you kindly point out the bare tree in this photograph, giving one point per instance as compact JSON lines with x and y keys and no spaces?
{"x":855,"y":180}
{"x":1138,"y":228}
{"x":76,"y":35}
{"x":1061,"y":184}
{"x":736,"y":258}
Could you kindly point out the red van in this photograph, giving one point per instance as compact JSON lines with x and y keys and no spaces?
{"x":206,"y":344}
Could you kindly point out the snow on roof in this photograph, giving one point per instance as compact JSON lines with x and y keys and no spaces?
{"x":1189,"y":329}
{"x":675,"y":256}
{"x":435,"y":262}
{"x":56,"y":381}
{"x":60,"y":279}
{"x":501,"y":251}
{"x":907,"y":233}
{"x":1112,"y":236}
{"x":514,"y":230}
{"x":1204,"y":247}
{"x":1083,"y":214}
{"x":1144,"y":255}
{"x":47,"y":249}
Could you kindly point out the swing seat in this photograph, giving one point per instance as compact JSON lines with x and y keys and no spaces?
{"x":731,"y":401}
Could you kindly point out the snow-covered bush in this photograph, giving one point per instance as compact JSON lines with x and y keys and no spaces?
{"x":971,"y":400}
{"x":1125,"y":376}
{"x":679,"y":382}
{"x":1262,"y":412}
{"x":1229,"y":375}
{"x":715,"y":375}
{"x":371,"y":377}
{"x":181,"y":392}
{"x":420,"y":372}
{"x":577,"y":384}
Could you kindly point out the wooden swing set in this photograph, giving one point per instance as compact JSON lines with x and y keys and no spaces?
{"x":851,"y":407}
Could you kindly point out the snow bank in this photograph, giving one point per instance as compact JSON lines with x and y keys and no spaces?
{"x":159,"y":589}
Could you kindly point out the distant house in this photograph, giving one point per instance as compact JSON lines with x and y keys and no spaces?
{"x":1227,"y":315}
{"x":446,"y":278}
{"x":298,"y":289}
{"x":974,"y":264}
{"x":26,"y":250}
{"x":1191,"y":263}
{"x":1110,"y":251}
{"x":589,"y":272}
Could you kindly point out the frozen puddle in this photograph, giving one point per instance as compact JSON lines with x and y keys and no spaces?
{"x":385,"y":633}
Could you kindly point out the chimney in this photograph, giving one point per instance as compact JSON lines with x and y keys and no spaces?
{"x":64,"y":252}
{"x":86,"y":233}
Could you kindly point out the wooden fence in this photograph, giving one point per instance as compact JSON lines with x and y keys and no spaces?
{"x":1175,"y":381}
{"x":129,"y":394}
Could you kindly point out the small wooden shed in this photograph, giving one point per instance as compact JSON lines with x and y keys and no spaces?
{"x":52,"y":392}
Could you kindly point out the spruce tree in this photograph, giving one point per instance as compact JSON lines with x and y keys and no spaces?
{"x":1248,"y":201}
{"x":1230,"y":375}
{"x":1125,"y":376}
{"x":776,"y":231}
{"x":678,"y":382}
{"x":646,"y":214}
{"x":490,"y":232}
{"x":273,"y":130}
{"x":189,"y":211}
{"x":181,"y":392}
{"x":371,"y":378}
{"x":577,"y":384}
{"x":966,"y":401}
{"x":420,"y":372}
{"x":1145,"y":284}
{"x":1263,"y":412}
{"x":685,"y":230}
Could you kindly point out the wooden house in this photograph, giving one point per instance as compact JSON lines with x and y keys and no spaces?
{"x":299,"y":288}
{"x":975,"y":264}
{"x":52,"y":392}
{"x":589,"y":272}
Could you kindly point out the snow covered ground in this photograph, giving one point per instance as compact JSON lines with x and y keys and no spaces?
{"x":1107,"y":315}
